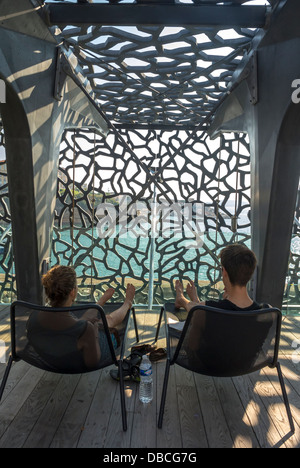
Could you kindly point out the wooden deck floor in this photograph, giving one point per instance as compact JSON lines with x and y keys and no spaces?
{"x":41,"y":409}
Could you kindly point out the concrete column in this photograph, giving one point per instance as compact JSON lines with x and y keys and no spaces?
{"x":34,"y":122}
{"x":273,"y":127}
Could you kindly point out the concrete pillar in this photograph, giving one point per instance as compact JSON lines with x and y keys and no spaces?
{"x":34,"y":122}
{"x":273,"y":127}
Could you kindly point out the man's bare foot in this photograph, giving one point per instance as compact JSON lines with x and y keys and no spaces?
{"x":130,"y":293}
{"x":106,"y":296}
{"x":192,"y":292}
{"x":180,"y":299}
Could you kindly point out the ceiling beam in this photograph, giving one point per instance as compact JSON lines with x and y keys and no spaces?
{"x":162,"y":126}
{"x":156,"y":14}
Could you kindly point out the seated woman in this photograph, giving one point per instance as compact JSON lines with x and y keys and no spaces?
{"x":63,"y":340}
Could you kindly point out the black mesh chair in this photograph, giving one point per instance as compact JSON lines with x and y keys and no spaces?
{"x":22,"y":349}
{"x":222,"y":343}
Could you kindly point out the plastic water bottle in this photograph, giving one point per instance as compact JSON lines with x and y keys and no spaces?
{"x":146,"y":382}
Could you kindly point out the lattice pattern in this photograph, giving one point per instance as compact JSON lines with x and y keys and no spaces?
{"x":292,"y":292}
{"x":7,"y":283}
{"x":103,"y":170}
{"x":158,"y":75}
{"x":205,"y":174}
{"x":230,"y":2}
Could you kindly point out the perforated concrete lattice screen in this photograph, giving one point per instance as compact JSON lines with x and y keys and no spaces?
{"x":159,"y":85}
{"x":209,"y":183}
{"x":157,"y":75}
{"x":7,"y":283}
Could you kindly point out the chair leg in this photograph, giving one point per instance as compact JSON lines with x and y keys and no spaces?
{"x":285,"y":397}
{"x":135,"y":326}
{"x":159,"y":324}
{"x":122,"y":396}
{"x":164,"y":394}
{"x":5,"y":377}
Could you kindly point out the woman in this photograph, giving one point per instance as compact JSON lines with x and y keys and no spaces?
{"x":63,"y":340}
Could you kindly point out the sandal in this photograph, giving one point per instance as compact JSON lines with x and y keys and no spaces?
{"x":158,"y":354}
{"x":143,"y":349}
{"x":131,"y":369}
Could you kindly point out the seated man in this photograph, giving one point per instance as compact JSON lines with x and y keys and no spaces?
{"x":238,"y":264}
{"x":204,"y":347}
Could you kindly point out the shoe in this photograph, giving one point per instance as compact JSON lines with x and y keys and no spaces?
{"x":158,"y":354}
{"x":143,"y":349}
{"x":131,"y":368}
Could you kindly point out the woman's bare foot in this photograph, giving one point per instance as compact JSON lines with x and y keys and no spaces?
{"x":117,"y":317}
{"x":106,"y":296}
{"x":192,"y":292}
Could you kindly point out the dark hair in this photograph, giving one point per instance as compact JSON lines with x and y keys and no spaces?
{"x":239,"y":262}
{"x":58,"y":283}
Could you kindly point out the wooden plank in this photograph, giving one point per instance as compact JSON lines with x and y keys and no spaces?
{"x":291,"y":373}
{"x":97,"y":422}
{"x":71,"y":426}
{"x":292,"y":383}
{"x":265,"y":432}
{"x":289,"y":335}
{"x":216,"y":427}
{"x":19,"y":388}
{"x":46,"y":426}
{"x":242,"y":433}
{"x":4,"y":311}
{"x":144,"y":421}
{"x":191,"y":417}
{"x":131,"y":338}
{"x":115,"y":436}
{"x":17,"y":372}
{"x":49,"y":410}
{"x":25,"y":420}
{"x":293,"y":322}
{"x":170,"y":433}
{"x":271,"y":396}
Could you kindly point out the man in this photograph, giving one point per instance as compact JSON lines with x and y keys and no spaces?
{"x":204,"y":347}
{"x":238,"y":265}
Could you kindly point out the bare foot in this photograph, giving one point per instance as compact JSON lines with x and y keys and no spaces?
{"x":106,"y":296}
{"x":180,"y":299}
{"x":192,"y":292}
{"x":130,"y":293}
